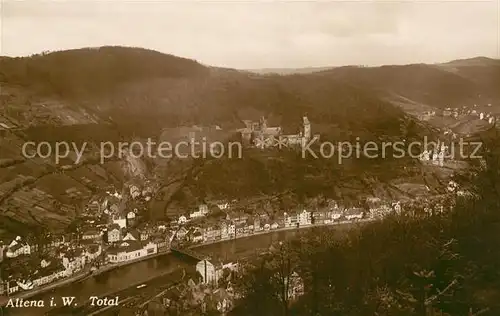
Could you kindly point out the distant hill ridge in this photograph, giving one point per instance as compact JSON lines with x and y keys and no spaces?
{"x":475,"y":61}
{"x":122,"y":93}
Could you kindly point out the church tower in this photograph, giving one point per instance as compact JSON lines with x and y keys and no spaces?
{"x":263,"y":123}
{"x":307,"y":128}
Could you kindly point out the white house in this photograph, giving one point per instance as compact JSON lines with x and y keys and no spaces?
{"x":48,"y":274}
{"x":90,"y":234}
{"x":114,"y":233}
{"x":2,"y":247}
{"x":73,"y":261}
{"x":336,"y":213}
{"x":223,"y":205}
{"x":203,"y":208}
{"x":132,"y":235}
{"x":196,"y":214}
{"x":231,"y":229}
{"x":131,"y":215}
{"x":290,"y":220}
{"x":353,"y":213}
{"x":135,"y":192}
{"x":18,"y":247}
{"x":131,"y":250}
{"x":182,"y":220}
{"x":120,"y":221}
{"x":397,"y":207}
{"x":210,"y":272}
{"x":304,"y":218}
{"x":452,"y":186}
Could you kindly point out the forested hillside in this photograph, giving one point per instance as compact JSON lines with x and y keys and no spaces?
{"x":120,"y":94}
{"x":424,"y":265}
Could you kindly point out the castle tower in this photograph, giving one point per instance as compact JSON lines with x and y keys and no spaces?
{"x":307,"y":128}
{"x":263,"y":123}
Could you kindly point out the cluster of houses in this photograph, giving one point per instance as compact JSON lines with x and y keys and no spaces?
{"x":25,"y":265}
{"x":212,"y":289}
{"x":187,"y":231}
{"x":481,"y":112}
{"x":111,"y":233}
{"x":195,"y":296}
{"x":218,"y":276}
{"x":106,"y":233}
{"x":190,"y":230}
{"x":474,"y":111}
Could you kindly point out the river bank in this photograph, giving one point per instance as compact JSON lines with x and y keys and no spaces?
{"x":159,"y":269}
{"x":30,"y":293}
{"x":86,"y":274}
{"x":263,"y":232}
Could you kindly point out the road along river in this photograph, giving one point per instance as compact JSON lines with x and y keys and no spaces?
{"x":154,"y":271}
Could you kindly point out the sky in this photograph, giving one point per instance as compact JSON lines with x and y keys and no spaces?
{"x":255,"y":34}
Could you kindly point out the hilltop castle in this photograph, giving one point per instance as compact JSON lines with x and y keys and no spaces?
{"x":259,"y":135}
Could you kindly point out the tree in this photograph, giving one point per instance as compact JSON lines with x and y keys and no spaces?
{"x":265,"y":287}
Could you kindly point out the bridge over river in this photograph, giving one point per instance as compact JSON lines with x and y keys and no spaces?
{"x":157,"y":268}
{"x":116,"y":280}
{"x":189,"y":253}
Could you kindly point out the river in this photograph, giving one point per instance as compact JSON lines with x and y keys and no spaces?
{"x":136,"y":273}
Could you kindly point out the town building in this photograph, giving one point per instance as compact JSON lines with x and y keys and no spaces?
{"x":304,"y":218}
{"x":210,"y":272}
{"x":18,"y":247}
{"x":197,"y":213}
{"x":135,"y":192}
{"x":290,"y":220}
{"x":181,"y":233}
{"x":91,"y":233}
{"x":131,"y":215}
{"x":2,"y":250}
{"x":120,"y":221}
{"x":73,"y":260}
{"x":132,"y":234}
{"x":131,"y":250}
{"x":222,"y":205}
{"x":114,"y":233}
{"x":203,"y":208}
{"x":182,"y":220}
{"x":48,"y":273}
{"x":354,"y":213}
{"x":295,"y":286}
{"x":92,"y":252}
